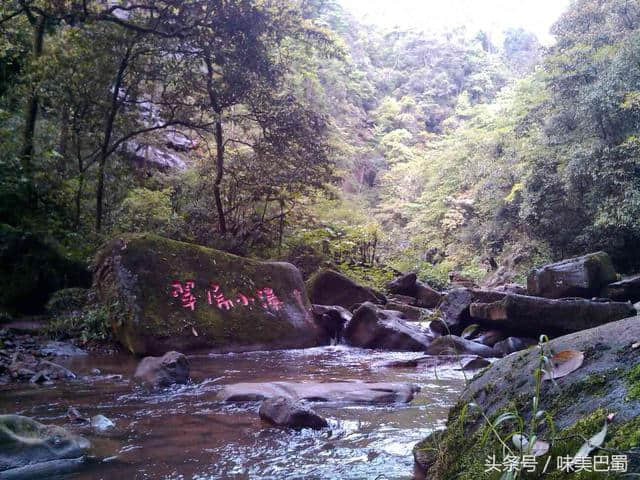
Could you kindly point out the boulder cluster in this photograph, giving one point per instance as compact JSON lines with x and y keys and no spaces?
{"x":560,"y":298}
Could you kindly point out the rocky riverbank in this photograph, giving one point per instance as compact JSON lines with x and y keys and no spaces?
{"x":158,"y":295}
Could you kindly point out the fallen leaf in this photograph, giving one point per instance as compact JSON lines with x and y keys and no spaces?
{"x":193,"y":330}
{"x":563,"y":363}
{"x":590,"y":445}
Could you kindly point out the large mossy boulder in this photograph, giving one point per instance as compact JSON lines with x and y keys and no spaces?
{"x":607,"y":382}
{"x":29,"y":449}
{"x":165,"y":295}
{"x":328,"y":287}
{"x":575,"y":277}
{"x":32,"y":269}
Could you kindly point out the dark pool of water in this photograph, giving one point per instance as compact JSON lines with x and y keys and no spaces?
{"x":184,"y":433}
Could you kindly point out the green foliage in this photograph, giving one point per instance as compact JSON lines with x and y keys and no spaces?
{"x":91,"y":325}
{"x":144,"y":210}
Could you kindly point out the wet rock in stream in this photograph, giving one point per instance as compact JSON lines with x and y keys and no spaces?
{"x":283,"y":412}
{"x":164,"y":371}
{"x":33,"y":450}
{"x":338,"y":392}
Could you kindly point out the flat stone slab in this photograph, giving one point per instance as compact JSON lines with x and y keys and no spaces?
{"x":338,"y":392}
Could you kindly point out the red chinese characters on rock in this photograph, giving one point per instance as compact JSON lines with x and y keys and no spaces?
{"x":215,"y":296}
{"x":187,"y":299}
{"x":269,"y":299}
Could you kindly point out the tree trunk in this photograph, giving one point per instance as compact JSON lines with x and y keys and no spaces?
{"x":219,"y":173}
{"x":64,"y":136}
{"x":217,"y":108}
{"x":31,"y":116}
{"x":106,"y":139}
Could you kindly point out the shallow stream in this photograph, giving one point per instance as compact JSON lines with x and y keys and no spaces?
{"x":184,"y":433}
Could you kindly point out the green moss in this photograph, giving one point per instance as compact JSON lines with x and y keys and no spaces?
{"x":632,"y":379}
{"x":373,"y":276}
{"x":625,"y":436}
{"x":136,"y":273}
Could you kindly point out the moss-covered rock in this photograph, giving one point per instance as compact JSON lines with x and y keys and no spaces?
{"x":164,"y":295}
{"x":32,"y":269}
{"x":578,"y":404}
{"x":29,"y":449}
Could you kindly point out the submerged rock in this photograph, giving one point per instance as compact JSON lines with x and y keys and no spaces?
{"x":100,"y":423}
{"x":372,"y":327}
{"x":332,"y":288}
{"x":335,"y":392}
{"x":283,"y":412}
{"x":454,"y":345}
{"x":575,"y":277}
{"x":608,"y":382}
{"x":460,"y":362}
{"x":165,"y":295}
{"x":33,"y":450}
{"x":158,"y":372}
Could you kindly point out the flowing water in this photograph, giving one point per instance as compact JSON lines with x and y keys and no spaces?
{"x":184,"y":433}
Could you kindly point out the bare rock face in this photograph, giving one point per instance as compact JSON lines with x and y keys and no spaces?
{"x":576,"y":277}
{"x":427,"y":297}
{"x":408,"y":286}
{"x":414,"y":314}
{"x":405,"y":299}
{"x":404,"y":285}
{"x":331,"y":392}
{"x":372,"y":327}
{"x":534,"y":316}
{"x":333,"y":288}
{"x":163,"y":295}
{"x":158,"y":372}
{"x":283,"y":412}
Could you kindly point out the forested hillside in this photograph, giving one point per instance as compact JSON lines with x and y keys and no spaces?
{"x":291,"y":130}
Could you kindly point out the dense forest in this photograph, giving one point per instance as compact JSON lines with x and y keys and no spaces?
{"x":290,"y":130}
{"x":266,"y":239}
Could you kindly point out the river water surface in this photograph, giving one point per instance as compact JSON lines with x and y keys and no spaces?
{"x":184,"y":433}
